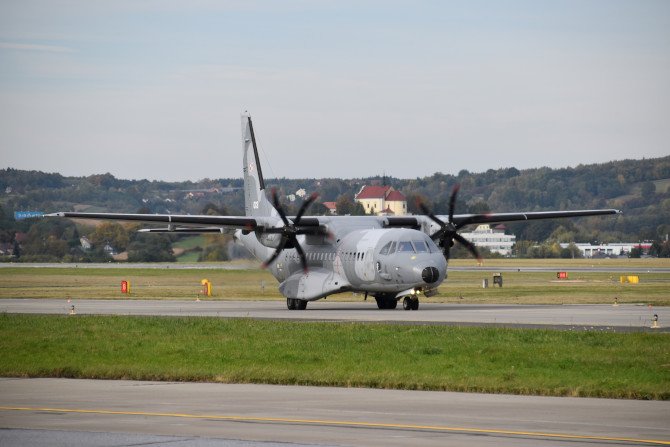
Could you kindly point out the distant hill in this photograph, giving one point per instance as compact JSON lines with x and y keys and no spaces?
{"x":641,"y":188}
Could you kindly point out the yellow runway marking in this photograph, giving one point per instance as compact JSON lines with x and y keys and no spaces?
{"x":438,"y":428}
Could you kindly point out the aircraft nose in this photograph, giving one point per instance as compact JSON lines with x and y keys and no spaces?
{"x":430,"y":275}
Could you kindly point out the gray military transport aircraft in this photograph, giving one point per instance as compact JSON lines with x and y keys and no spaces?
{"x":388,"y":257}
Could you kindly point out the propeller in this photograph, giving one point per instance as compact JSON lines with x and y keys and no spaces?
{"x":448,"y":232}
{"x":291,"y":230}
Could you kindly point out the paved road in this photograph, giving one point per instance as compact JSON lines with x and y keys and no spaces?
{"x":187,"y":412}
{"x":625,"y":317}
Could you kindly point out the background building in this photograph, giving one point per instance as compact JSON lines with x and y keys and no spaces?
{"x":607,"y":250}
{"x":493,"y":239}
{"x":382,"y":200}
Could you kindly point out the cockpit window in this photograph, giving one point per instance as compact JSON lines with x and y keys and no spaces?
{"x":385,"y":249}
{"x":420,"y":247}
{"x":405,"y":246}
{"x":392,"y":249}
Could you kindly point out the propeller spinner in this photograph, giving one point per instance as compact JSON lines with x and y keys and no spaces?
{"x":448,"y":232}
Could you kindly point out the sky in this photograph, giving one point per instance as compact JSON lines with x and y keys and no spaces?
{"x":336,"y":88}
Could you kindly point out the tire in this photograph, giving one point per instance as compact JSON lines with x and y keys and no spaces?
{"x":407,"y":303}
{"x":415,"y":304}
{"x":291,"y":303}
{"x":301,"y":304}
{"x":386,"y":302}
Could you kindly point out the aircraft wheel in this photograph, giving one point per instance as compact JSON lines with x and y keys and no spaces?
{"x":291,"y":303}
{"x":415,"y":304}
{"x":301,"y":304}
{"x":407,"y":303}
{"x":386,"y":302}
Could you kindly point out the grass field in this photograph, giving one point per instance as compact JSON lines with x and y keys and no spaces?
{"x":539,"y":362}
{"x":522,"y":287}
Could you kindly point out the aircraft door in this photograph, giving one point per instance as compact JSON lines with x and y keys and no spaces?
{"x":385,"y":260}
{"x":368,"y":266}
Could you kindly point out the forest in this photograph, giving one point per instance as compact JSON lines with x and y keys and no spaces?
{"x":640,"y":188}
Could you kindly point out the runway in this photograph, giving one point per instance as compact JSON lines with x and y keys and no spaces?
{"x":625,"y":317}
{"x":207,"y":414}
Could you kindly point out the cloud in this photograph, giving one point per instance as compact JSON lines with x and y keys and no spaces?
{"x":35,"y":47}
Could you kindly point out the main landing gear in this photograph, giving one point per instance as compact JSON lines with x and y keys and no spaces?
{"x":386,"y":301}
{"x":296,"y":304}
{"x":390,"y":302}
{"x":410,"y":303}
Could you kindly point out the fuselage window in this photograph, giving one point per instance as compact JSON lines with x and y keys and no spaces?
{"x":405,"y":246}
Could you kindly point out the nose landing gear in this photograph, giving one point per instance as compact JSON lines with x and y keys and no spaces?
{"x":296,"y":304}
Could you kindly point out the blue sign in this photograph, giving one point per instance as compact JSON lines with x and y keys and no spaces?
{"x":20,"y":215}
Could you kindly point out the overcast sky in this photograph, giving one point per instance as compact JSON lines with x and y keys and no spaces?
{"x":154,"y":89}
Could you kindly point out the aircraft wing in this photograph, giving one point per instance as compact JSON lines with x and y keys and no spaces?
{"x":178,"y":223}
{"x":467,"y":219}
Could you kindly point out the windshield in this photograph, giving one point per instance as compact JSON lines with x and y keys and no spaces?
{"x":420,"y":247}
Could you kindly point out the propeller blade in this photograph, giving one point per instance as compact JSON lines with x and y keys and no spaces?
{"x":278,"y":250}
{"x":439,"y":234}
{"x":452,"y":201}
{"x":301,"y":253}
{"x":304,"y":207}
{"x":469,"y":245}
{"x":427,"y":212}
{"x":446,"y":248}
{"x":278,"y":207}
{"x":469,"y":220}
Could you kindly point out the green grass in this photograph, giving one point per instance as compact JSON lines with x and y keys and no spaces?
{"x":522,"y":287}
{"x":538,"y":362}
{"x":189,"y":257}
{"x":161,"y":283}
{"x":189,"y":243}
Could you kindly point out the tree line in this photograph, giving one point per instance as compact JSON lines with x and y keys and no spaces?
{"x":640,"y":188}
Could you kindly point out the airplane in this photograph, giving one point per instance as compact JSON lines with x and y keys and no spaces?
{"x":392,"y":258}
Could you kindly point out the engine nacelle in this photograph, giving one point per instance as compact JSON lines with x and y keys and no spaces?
{"x":269,"y":240}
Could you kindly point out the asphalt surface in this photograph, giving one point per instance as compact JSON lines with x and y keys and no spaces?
{"x":115,"y":413}
{"x":625,"y":317}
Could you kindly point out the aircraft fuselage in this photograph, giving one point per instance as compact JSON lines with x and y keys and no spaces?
{"x":381,"y":262}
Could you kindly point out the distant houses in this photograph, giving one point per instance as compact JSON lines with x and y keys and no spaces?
{"x":382,"y":200}
{"x":331,"y":207}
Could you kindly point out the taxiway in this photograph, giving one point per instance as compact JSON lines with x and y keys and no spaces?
{"x":200,"y":413}
{"x":625,"y":317}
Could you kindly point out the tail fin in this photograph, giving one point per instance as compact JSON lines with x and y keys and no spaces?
{"x":255,"y":201}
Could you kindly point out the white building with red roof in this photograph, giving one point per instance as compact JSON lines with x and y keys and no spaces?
{"x":382,"y":200}
{"x":331,"y":206}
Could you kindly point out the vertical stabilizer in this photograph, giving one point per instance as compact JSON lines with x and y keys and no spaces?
{"x":255,"y":202}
